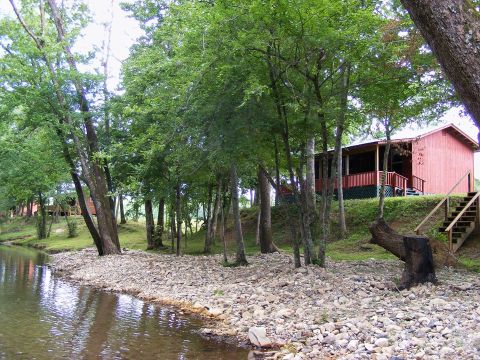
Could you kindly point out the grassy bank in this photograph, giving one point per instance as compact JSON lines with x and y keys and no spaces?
{"x":402,"y":213}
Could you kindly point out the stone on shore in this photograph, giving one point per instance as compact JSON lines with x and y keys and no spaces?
{"x":258,"y":337}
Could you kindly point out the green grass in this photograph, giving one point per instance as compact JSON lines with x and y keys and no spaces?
{"x":23,"y":232}
{"x":403,"y":213}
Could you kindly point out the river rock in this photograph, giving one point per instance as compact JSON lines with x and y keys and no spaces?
{"x":381,"y":342}
{"x":352,"y":345}
{"x":438,"y":302}
{"x":258,"y":337}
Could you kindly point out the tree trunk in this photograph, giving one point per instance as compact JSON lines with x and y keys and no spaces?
{"x":241,"y":258}
{"x":29,"y":208}
{"x":277,"y":173}
{"x":87,"y":217}
{"x":309,"y":206}
{"x":179,"y":217}
{"x":150,"y":225}
{"x":208,"y":222}
{"x":266,"y":241}
{"x":42,"y":220}
{"x":173,"y":230}
{"x":414,"y":250}
{"x":222,"y":231}
{"x":123,"y":219}
{"x":381,"y":200}
{"x":325,"y":224}
{"x":296,"y":247}
{"x":452,"y":29}
{"x":345,"y":79}
{"x":310,"y":176}
{"x":216,"y":210}
{"x":160,"y":224}
{"x":342,"y":224}
{"x":257,"y":228}
{"x":117,"y":208}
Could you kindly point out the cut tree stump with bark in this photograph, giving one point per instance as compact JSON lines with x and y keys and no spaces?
{"x":414,"y":250}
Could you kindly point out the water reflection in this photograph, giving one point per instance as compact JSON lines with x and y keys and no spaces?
{"x":44,"y":317}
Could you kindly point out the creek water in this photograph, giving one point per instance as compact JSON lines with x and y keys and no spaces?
{"x":45,"y":317}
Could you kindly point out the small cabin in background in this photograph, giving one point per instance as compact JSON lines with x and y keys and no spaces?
{"x":427,"y":164}
{"x":72,"y":208}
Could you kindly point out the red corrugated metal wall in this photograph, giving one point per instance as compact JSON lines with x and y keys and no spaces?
{"x":441,"y":159}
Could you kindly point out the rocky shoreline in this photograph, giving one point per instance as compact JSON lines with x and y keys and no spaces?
{"x":348,"y":311}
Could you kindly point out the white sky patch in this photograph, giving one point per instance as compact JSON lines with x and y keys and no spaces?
{"x":125,"y":31}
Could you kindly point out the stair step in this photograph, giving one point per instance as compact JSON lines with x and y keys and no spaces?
{"x":472,"y":193}
{"x":460,"y":223}
{"x":467,"y":213}
{"x":455,"y":228}
{"x":471,"y":208}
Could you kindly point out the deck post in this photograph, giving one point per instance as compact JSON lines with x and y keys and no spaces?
{"x":377,"y":167}
{"x":477,"y":218}
{"x":394,"y":185}
{"x":347,"y":165}
{"x":447,"y":208}
{"x":450,"y":243}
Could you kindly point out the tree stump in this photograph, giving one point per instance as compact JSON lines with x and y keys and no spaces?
{"x":414,"y":250}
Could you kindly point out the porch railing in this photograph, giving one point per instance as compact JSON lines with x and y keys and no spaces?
{"x":369,"y":178}
{"x":418,"y":184}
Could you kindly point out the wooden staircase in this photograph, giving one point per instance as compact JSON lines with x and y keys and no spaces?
{"x":463,"y":220}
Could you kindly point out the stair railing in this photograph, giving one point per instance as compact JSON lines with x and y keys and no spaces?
{"x":418,"y":184}
{"x":445,"y":200}
{"x":449,"y":229}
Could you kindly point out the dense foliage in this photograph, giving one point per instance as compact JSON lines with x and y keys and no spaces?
{"x":217,"y":95}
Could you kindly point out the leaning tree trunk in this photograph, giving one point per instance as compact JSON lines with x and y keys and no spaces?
{"x":92,"y":167}
{"x":414,"y":250}
{"x":241,"y":258}
{"x":452,"y":29}
{"x":149,"y":224}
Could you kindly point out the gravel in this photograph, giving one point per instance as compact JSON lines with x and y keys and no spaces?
{"x":349,"y":310}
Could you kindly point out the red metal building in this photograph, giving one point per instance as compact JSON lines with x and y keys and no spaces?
{"x":427,"y":164}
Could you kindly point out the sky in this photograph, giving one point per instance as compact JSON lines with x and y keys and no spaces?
{"x":125,"y":31}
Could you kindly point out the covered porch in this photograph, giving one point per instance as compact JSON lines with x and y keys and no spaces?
{"x":362,"y":171}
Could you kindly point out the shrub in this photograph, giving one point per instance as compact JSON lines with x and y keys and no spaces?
{"x":72,"y":228}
